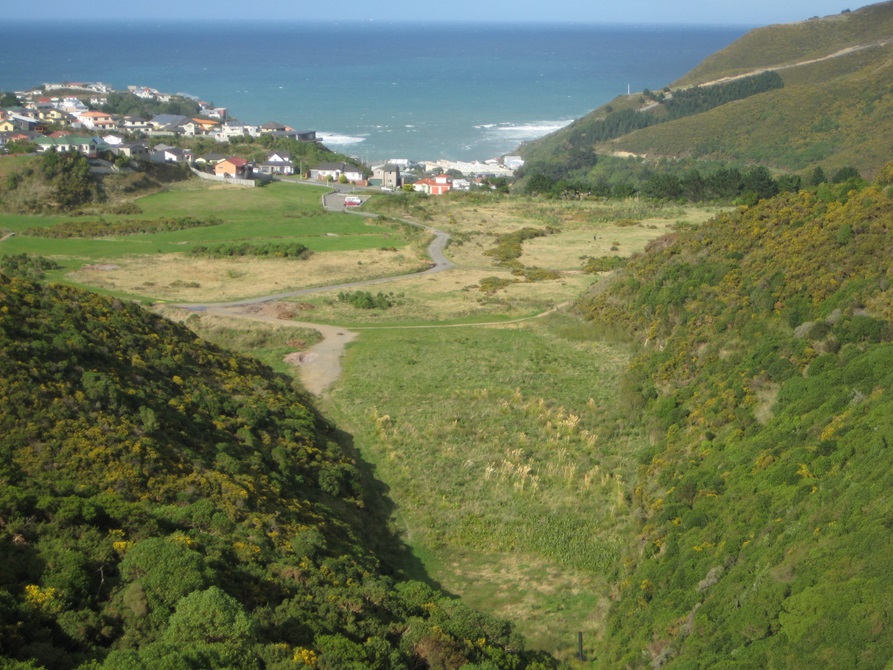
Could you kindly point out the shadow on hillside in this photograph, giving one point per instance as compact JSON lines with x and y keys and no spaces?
{"x":376,"y":526}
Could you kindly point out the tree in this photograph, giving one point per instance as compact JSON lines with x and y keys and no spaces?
{"x":818,"y":176}
{"x":759,"y":181}
{"x":210,"y":617}
{"x":845,"y":174}
{"x":789,"y":183}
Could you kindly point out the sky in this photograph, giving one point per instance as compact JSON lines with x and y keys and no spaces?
{"x":686,"y":12}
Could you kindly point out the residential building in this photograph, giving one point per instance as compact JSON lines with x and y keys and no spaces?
{"x":233,"y":167}
{"x":324,"y":171}
{"x":88,"y":146}
{"x":92,"y":120}
{"x":386,"y":176}
{"x":277,"y":162}
{"x":438,"y":185}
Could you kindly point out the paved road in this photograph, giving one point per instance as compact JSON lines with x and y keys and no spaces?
{"x":439,"y":263}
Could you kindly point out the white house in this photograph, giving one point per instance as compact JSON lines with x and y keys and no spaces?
{"x":324,"y":171}
{"x":278,"y":162}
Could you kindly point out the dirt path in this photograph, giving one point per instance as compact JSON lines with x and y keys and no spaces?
{"x":320,"y":365}
{"x":776,"y":68}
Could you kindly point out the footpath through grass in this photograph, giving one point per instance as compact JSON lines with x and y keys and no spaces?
{"x":508,"y":463}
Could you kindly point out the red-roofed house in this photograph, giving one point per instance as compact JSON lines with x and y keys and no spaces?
{"x":97,"y":121}
{"x":438,"y":185}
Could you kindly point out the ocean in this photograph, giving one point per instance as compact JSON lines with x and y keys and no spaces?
{"x":372,"y":90}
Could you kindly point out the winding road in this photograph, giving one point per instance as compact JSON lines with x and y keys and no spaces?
{"x":321,"y":364}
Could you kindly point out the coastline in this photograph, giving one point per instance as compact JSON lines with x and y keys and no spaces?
{"x":404,"y":90}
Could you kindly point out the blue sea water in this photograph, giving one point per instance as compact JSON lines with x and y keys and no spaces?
{"x":372,"y":90}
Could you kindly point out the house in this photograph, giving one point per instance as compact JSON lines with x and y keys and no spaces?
{"x":52,"y":115}
{"x":111,"y":140}
{"x":165,"y":154}
{"x":277,"y":162}
{"x":73,"y":106}
{"x":513,"y":162}
{"x":386,"y":176}
{"x":210,"y":159}
{"x":88,"y":146}
{"x":135,"y":150}
{"x":205,"y":126}
{"x":134,"y":123}
{"x":168,"y":121}
{"x":233,"y":167}
{"x":438,"y":185}
{"x":218,"y":113}
{"x":7,"y":126}
{"x":96,"y":121}
{"x":273,"y":127}
{"x":334,"y":171}
{"x":230,"y":130}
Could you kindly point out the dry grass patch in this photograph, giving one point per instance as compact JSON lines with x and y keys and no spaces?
{"x":563,"y":251}
{"x":550,"y":605}
{"x":450,"y":295}
{"x":179,"y":278}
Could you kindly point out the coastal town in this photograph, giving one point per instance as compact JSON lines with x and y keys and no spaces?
{"x":86,"y":117}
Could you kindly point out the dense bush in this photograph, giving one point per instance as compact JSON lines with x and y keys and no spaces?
{"x":101,"y":228}
{"x":26,"y":266}
{"x":765,"y":382}
{"x":261,"y":250}
{"x":365,"y":299}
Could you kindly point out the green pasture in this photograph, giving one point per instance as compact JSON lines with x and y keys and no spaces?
{"x":276,"y":212}
{"x":504,"y":478}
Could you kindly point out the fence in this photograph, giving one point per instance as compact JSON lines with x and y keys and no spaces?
{"x":235,"y":181}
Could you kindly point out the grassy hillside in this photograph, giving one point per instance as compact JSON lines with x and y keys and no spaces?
{"x":835,"y":108}
{"x":833,"y":113}
{"x":786,"y":44}
{"x":766,"y":388}
{"x":165,"y":503}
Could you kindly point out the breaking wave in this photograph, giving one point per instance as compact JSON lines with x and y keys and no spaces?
{"x":336,"y":139}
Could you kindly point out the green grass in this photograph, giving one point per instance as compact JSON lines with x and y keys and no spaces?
{"x":276,"y":212}
{"x":494,"y":464}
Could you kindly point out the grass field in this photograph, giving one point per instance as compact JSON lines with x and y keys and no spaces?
{"x":510,"y":487}
{"x":155,"y":266}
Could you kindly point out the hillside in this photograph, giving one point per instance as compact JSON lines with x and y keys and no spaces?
{"x":834,"y":109}
{"x":166,"y":503}
{"x":765,"y":381}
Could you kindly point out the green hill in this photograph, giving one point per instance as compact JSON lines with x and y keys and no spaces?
{"x":766,"y":381}
{"x":834,"y":110}
{"x":165,"y":503}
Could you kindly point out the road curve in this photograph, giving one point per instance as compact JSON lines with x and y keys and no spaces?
{"x":321,"y":364}
{"x":439,"y":263}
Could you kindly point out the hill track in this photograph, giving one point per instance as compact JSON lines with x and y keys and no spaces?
{"x":779,"y":68}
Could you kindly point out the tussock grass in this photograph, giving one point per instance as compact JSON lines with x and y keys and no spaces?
{"x":497,"y":464}
{"x":451,"y":296}
{"x":174,"y":277}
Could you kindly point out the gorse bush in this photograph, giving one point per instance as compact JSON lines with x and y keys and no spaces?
{"x":765,"y":383}
{"x":26,"y":266}
{"x":366,"y":300}
{"x":294,"y":250}
{"x":100,"y":228}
